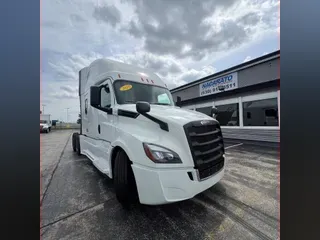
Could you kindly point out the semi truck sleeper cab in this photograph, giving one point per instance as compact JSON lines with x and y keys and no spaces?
{"x":132,"y":131}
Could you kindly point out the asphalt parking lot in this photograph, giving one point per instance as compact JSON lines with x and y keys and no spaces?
{"x":77,"y":202}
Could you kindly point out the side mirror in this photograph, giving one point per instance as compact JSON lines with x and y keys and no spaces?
{"x":143,"y":107}
{"x":94,"y":96}
{"x":178,"y":103}
{"x":107,"y":89}
{"x":214,"y":111}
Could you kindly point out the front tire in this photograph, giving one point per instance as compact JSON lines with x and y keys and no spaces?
{"x":124,"y":181}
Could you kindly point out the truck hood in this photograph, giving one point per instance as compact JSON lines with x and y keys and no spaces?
{"x":171,"y":114}
{"x":43,"y":125}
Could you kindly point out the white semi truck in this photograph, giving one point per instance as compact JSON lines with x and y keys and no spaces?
{"x":131,"y":130}
{"x":45,"y":123}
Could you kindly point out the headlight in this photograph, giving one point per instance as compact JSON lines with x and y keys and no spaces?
{"x":160,"y":154}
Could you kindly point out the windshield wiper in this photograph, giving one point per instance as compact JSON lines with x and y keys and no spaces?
{"x":157,"y":103}
{"x":129,"y":101}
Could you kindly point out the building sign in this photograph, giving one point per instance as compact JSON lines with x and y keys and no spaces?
{"x":221,"y":84}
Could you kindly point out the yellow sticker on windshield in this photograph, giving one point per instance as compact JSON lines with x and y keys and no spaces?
{"x":126,"y":87}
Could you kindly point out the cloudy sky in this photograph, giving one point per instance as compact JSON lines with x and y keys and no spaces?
{"x":180,"y":40}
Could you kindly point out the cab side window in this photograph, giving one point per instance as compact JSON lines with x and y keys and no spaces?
{"x":105,"y":99}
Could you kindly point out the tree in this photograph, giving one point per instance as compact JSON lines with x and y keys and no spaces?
{"x":79,"y":119}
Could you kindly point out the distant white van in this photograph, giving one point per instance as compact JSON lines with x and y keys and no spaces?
{"x":45,"y":123}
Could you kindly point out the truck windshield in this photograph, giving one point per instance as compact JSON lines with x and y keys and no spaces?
{"x":43,"y":121}
{"x":132,"y":92}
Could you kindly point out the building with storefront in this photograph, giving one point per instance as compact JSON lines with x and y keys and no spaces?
{"x":247,"y":97}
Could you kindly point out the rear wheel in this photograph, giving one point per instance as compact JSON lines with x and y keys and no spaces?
{"x":74,"y":146}
{"x":124,"y":181}
{"x":78,"y":145}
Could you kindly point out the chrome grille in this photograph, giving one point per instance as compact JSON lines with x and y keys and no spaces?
{"x":206,"y":146}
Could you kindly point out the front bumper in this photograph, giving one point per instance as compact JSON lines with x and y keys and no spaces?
{"x":162,"y":186}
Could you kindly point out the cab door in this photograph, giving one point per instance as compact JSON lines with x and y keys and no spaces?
{"x":106,"y":128}
{"x":84,"y":116}
{"x":105,"y":124}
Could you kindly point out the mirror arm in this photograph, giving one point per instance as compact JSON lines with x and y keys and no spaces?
{"x":108,"y":110}
{"x":163,"y":125}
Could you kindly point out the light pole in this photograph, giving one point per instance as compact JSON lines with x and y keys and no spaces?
{"x":43,"y":108}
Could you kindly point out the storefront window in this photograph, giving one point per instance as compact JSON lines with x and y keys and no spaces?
{"x":228,"y":114}
{"x":261,"y":113}
{"x":205,"y":110}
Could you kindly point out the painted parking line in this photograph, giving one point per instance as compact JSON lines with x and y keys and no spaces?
{"x":236,"y":145}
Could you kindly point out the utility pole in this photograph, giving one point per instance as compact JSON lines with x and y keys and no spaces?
{"x":43,"y":108}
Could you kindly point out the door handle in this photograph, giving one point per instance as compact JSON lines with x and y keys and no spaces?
{"x":99,"y":128}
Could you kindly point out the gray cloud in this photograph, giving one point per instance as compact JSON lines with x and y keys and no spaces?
{"x":45,"y":101}
{"x":65,"y":92}
{"x":77,"y":18}
{"x":251,"y":18}
{"x":133,"y":29}
{"x":173,"y":72}
{"x":63,"y":72}
{"x":179,"y":23}
{"x":192,"y":74}
{"x":175,"y":68}
{"x":64,"y":95}
{"x":67,"y":68}
{"x":190,"y":77}
{"x":159,"y":64}
{"x":51,"y":24}
{"x":167,"y":26}
{"x":109,"y":14}
{"x":69,"y":89}
{"x":272,"y":16}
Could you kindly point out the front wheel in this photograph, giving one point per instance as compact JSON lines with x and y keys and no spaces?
{"x":124,"y":181}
